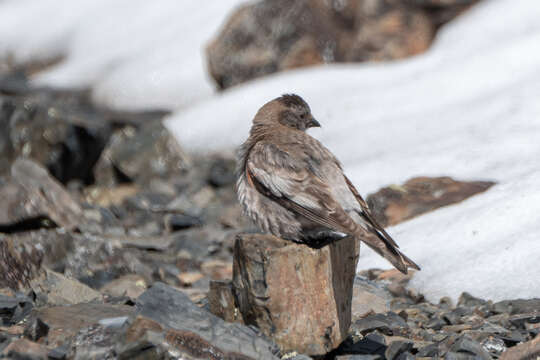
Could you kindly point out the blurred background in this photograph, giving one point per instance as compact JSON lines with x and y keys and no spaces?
{"x":135,"y":109}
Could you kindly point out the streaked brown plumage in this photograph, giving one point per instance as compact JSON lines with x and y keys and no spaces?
{"x":293,"y":187}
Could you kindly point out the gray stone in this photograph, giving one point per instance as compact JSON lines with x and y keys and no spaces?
{"x":396,"y":348}
{"x":13,"y":309}
{"x":139,"y":155}
{"x":197,"y":332}
{"x":32,"y":195}
{"x":519,"y":306}
{"x":466,"y":345}
{"x":61,"y":290}
{"x":389,"y":323}
{"x":36,"y":329}
{"x":65,"y":322}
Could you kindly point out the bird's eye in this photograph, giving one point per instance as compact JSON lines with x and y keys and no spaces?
{"x":302,"y":116}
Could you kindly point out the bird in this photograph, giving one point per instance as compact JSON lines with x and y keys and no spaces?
{"x":293,"y":187}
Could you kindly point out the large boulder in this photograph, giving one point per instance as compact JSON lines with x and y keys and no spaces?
{"x":273,"y":35}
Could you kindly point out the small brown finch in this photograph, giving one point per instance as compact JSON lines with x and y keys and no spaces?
{"x":293,"y":187}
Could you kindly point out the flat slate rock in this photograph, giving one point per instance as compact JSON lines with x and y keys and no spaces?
{"x":197,"y":331}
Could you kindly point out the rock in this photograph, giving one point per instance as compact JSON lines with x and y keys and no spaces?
{"x":156,"y":243}
{"x":397,"y":348}
{"x":107,"y":196}
{"x":14,"y":309}
{"x":131,"y":285}
{"x":442,"y":11}
{"x":32,"y":196}
{"x":358,"y":357}
{"x":217,"y":269}
{"x":519,"y":306}
{"x":222,"y":301}
{"x":14,"y":82}
{"x":61,"y":132}
{"x":7,"y":107}
{"x":522,"y":320}
{"x":389,"y":323}
{"x":368,"y":298}
{"x":222,"y":172}
{"x":299,"y":296}
{"x":466,"y":345}
{"x":36,"y":329}
{"x":58,"y":289}
{"x":25,"y":350}
{"x":466,"y":299}
{"x":196,"y":332}
{"x":144,"y":339}
{"x":175,"y":222}
{"x":431,"y":350}
{"x":527,"y":350}
{"x":66,"y":321}
{"x":394,"y":204}
{"x":372,"y":345}
{"x":20,"y":262}
{"x":270,"y":35}
{"x":454,"y":317}
{"x":189,"y":278}
{"x":139,"y":155}
{"x":494,"y":345}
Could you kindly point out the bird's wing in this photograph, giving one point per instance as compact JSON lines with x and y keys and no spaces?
{"x":284,"y":175}
{"x":300,"y":183}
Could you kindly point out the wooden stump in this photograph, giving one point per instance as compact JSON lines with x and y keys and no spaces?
{"x":299,"y":296}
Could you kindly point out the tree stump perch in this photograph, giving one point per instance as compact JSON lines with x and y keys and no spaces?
{"x":299,"y":296}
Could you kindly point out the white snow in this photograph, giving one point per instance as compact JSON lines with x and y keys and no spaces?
{"x":468,"y":108}
{"x":136,"y":54}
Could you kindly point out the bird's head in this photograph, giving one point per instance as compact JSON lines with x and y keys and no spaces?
{"x":288,"y":110}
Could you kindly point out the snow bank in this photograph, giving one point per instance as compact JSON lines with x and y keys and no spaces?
{"x":136,"y":54}
{"x":468,"y":108}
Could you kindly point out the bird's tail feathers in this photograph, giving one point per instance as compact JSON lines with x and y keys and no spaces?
{"x":389,"y":252}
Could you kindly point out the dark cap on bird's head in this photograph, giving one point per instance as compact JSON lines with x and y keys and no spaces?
{"x":289,"y":110}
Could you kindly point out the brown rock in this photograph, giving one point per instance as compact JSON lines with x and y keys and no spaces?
{"x":299,"y":296}
{"x":25,"y":349}
{"x":273,"y":35}
{"x":524,"y":351}
{"x":217,"y":269}
{"x":107,"y":196}
{"x":394,"y":204}
{"x":222,"y":301}
{"x":131,"y":285}
{"x":190,"y":277}
{"x":32,"y":195}
{"x":65,"y":321}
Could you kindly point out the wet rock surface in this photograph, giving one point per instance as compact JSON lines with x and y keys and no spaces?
{"x":269,"y":36}
{"x":123,"y":265}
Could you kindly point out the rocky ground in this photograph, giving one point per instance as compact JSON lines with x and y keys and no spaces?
{"x":111,"y":233}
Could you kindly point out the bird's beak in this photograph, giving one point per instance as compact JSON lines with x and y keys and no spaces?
{"x":313,"y":123}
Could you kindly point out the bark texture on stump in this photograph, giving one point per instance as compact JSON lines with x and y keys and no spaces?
{"x":299,"y":296}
